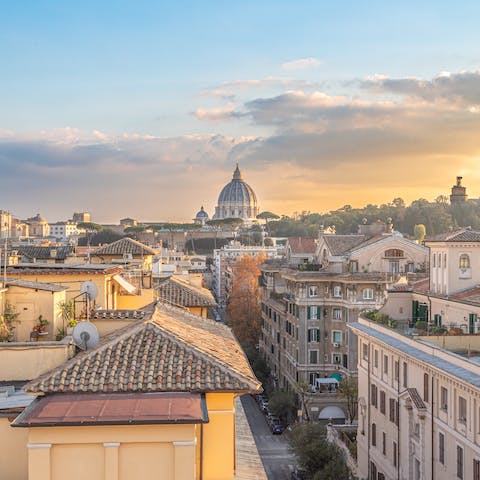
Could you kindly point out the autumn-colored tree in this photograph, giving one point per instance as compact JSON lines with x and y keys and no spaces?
{"x":243,"y":310}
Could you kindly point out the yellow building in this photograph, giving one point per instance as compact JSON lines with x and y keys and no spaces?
{"x":153,"y":400}
{"x":112,"y":287}
{"x":126,"y":251}
{"x":176,"y":291}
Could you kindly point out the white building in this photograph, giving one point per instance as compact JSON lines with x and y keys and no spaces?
{"x":65,"y":230}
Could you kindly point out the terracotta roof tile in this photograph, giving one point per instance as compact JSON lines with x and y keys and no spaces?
{"x":170,"y":351}
{"x":460,"y":235}
{"x":302,"y":245}
{"x":45,"y":253}
{"x":124,"y":246}
{"x":175,"y":291}
{"x":340,"y":244}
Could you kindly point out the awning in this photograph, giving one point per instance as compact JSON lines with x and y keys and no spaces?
{"x":114,"y":409}
{"x":125,"y":284}
{"x":331,"y":412}
{"x":327,"y":381}
{"x":337,"y":376}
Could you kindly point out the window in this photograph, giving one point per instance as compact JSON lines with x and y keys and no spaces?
{"x":434,"y":260}
{"x":375,"y":358}
{"x":444,"y":260}
{"x":374,"y":395}
{"x":441,"y":448}
{"x":444,"y":399}
{"x":337,"y":337}
{"x":459,"y":462}
{"x":405,"y":374}
{"x":382,"y":401}
{"x":476,"y":469}
{"x":313,"y":334}
{"x":396,"y":373}
{"x":337,"y":313}
{"x":394,"y":252}
{"x":385,"y":364}
{"x":374,"y":434}
{"x":462,"y":410}
{"x":373,"y":471}
{"x":336,"y":358}
{"x":464,"y":261}
{"x":365,"y":351}
{"x":313,"y":356}
{"x":368,"y":293}
{"x":395,"y":454}
{"x":313,"y":377}
{"x":394,"y":411}
{"x":425,"y":387}
{"x":384,"y":443}
{"x":337,"y":291}
{"x":313,"y":291}
{"x":312,"y":313}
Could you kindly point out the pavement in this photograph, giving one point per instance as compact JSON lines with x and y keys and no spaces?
{"x":277,"y":460}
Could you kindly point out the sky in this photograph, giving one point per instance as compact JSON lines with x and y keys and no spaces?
{"x":142,"y":109}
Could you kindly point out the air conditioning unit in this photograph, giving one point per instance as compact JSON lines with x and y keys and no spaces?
{"x":336,"y":345}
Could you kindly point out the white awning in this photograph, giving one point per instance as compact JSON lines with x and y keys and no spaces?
{"x":328,"y":381}
{"x":331,"y":412}
{"x":125,"y":284}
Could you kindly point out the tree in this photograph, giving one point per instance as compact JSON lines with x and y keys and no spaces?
{"x":419,"y":232}
{"x":316,"y":455}
{"x":243,"y":310}
{"x":348,"y":390}
{"x":282,"y":404}
{"x":303,"y":389}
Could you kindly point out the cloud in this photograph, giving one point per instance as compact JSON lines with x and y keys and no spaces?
{"x":215,"y":114}
{"x":301,"y":64}
{"x":462,"y":88}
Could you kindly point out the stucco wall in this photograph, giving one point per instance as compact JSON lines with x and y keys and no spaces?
{"x":13,"y":452}
{"x":25,"y":361}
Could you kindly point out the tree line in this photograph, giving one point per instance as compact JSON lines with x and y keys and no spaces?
{"x":437,"y":216}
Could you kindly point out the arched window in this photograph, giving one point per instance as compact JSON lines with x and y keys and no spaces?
{"x":394,"y":252}
{"x":464,"y":261}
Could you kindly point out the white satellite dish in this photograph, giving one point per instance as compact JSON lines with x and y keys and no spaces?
{"x":85,"y":335}
{"x":89,"y":289}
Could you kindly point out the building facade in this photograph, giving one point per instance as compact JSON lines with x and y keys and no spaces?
{"x":419,"y":405}
{"x":306,"y":307}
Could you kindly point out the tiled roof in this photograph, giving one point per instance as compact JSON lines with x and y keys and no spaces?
{"x":470,"y":295}
{"x":63,"y":268}
{"x":124,"y":246}
{"x":340,"y":244}
{"x":461,"y":235}
{"x":49,"y":287}
{"x":175,"y":291}
{"x":416,"y":399}
{"x":44,"y":253}
{"x":421,"y":286}
{"x":302,"y":245}
{"x":172,"y":351}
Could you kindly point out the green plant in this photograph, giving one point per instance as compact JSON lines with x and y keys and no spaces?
{"x":67,"y":311}
{"x":438,"y":331}
{"x":60,"y":334}
{"x":72,"y":323}
{"x":41,"y":325}
{"x":421,"y":325}
{"x":7,"y":322}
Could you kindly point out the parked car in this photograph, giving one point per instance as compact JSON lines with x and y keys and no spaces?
{"x":276,"y":426}
{"x":298,"y":474}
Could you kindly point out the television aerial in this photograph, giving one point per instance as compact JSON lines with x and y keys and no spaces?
{"x":85,"y":335}
{"x":89,"y":289}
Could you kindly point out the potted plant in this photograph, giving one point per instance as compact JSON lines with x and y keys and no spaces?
{"x":41,"y":326}
{"x":70,"y":325}
{"x":7,"y":323}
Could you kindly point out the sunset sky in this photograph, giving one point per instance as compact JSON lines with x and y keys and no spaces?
{"x":143,"y":108}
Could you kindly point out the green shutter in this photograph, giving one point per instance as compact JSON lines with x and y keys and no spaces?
{"x":308,"y":313}
{"x":472,"y":318}
{"x":318,"y":335}
{"x":297,"y":311}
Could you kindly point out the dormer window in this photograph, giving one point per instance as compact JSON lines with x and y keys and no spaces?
{"x":464,"y":261}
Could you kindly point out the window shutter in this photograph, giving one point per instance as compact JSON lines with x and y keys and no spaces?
{"x":308,"y":313}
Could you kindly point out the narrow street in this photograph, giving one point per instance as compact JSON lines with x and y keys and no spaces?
{"x":273,"y":449}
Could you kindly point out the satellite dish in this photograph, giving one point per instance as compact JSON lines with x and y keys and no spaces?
{"x":89,"y":289}
{"x":85,"y":335}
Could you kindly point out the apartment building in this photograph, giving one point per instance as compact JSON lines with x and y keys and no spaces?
{"x":419,"y":404}
{"x":306,"y":307}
